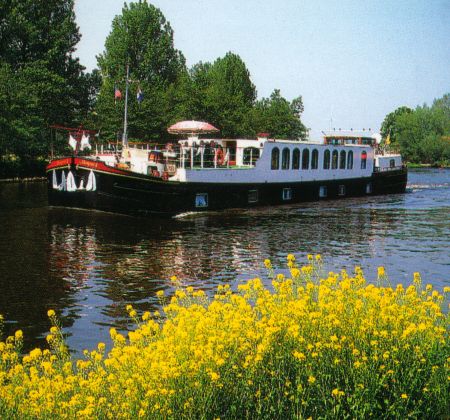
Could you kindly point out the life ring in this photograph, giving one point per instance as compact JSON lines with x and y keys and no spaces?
{"x":219,"y":156}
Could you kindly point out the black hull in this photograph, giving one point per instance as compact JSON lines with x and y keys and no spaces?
{"x":143,"y":195}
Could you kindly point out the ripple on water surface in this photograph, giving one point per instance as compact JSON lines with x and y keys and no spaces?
{"x":89,"y":265}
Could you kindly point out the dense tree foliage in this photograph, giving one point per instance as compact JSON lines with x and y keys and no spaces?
{"x":229,"y":95}
{"x":279,"y":117}
{"x":423,"y":134}
{"x":143,"y":39}
{"x":389,"y":130}
{"x":41,"y":82}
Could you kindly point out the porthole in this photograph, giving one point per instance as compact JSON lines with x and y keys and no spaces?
{"x":323,"y":191}
{"x":201,"y":200}
{"x":287,"y":194}
{"x":341,"y":190}
{"x":253,"y":196}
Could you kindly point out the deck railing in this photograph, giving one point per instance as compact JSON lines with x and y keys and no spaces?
{"x":193,"y":157}
{"x":200,"y":157}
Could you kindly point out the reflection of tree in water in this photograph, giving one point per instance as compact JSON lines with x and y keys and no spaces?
{"x":34,"y":273}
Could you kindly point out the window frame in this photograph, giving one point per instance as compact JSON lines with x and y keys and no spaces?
{"x":249,"y":196}
{"x":342,"y":159}
{"x":334,"y":159}
{"x":350,"y":159}
{"x":305,"y":159}
{"x":323,"y":191}
{"x":315,"y":159}
{"x":286,"y":194}
{"x":286,"y":158}
{"x":275,"y":159}
{"x":327,"y":159}
{"x":363,"y":159}
{"x":296,"y":162}
{"x":205,"y":200}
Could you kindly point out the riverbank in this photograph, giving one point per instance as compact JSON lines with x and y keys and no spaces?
{"x":312,"y":346}
{"x":426,"y":165}
{"x":14,"y":168}
{"x":24,"y":180}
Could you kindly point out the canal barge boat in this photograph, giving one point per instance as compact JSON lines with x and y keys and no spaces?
{"x":208,"y":174}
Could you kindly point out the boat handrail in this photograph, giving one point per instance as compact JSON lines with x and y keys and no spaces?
{"x":207,"y":157}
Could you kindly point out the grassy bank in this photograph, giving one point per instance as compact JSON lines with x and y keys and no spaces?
{"x":314,"y":346}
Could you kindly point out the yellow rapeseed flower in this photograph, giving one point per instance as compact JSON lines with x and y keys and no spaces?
{"x":197,"y":347}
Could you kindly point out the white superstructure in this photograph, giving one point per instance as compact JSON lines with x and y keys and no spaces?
{"x":261,"y":160}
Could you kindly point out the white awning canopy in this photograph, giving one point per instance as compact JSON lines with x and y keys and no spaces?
{"x":192,"y":127}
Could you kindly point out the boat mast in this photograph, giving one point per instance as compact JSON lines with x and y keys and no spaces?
{"x":125,"y":119}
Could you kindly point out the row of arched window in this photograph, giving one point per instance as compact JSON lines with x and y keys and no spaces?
{"x":335,"y":160}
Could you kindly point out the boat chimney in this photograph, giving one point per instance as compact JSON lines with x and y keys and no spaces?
{"x":262,"y":136}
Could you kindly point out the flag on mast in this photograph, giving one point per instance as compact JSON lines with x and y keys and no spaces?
{"x":117,"y":93}
{"x":139,"y":95}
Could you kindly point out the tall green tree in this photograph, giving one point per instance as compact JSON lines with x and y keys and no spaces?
{"x":279,"y":117}
{"x":389,"y":125}
{"x":228,"y":94}
{"x":225,"y":96}
{"x":200,"y":82}
{"x":42,"y":76}
{"x":143,"y":39}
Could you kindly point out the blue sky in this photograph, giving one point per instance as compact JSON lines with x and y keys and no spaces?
{"x":354,"y":61}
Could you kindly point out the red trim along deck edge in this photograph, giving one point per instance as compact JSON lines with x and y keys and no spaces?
{"x":95,"y":165}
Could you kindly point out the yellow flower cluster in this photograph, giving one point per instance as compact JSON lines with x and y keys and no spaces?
{"x":315,"y":346}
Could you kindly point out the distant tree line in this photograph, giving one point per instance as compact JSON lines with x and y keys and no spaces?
{"x":422,"y":135}
{"x":42,"y":83}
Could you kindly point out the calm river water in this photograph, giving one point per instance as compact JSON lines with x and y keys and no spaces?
{"x":89,"y":265}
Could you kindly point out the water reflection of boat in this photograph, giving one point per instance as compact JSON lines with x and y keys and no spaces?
{"x":212,"y":174}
